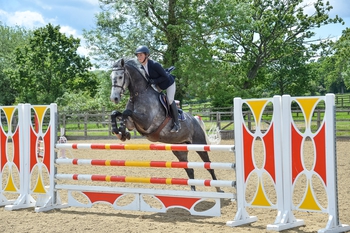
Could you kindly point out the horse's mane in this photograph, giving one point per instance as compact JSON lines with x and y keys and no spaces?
{"x":128,"y":61}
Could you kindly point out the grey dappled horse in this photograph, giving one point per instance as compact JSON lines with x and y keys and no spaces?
{"x":145,"y":113}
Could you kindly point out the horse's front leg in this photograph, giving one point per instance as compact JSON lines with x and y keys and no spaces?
{"x":125,"y":123}
{"x":119,"y":132}
{"x":114,"y":115}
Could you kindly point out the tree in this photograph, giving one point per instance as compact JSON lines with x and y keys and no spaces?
{"x":10,"y":39}
{"x":81,"y":101}
{"x":332,"y":69}
{"x":289,"y":75}
{"x":339,"y":74}
{"x":49,"y":66}
{"x":217,"y":46}
{"x":257,"y":35}
{"x":159,"y":24}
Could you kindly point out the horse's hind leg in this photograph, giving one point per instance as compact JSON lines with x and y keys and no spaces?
{"x":205,"y":157}
{"x":182,"y":157}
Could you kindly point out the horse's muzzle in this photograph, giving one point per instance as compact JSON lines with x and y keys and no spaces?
{"x":114,"y":99}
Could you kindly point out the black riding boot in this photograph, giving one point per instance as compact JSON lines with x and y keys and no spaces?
{"x":175,"y":114}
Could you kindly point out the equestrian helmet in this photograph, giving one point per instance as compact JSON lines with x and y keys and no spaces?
{"x":142,"y":49}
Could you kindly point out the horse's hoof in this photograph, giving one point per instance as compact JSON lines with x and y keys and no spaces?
{"x":118,"y":136}
{"x":128,"y":135}
{"x":219,"y":190}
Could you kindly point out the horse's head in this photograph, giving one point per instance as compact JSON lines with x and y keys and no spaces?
{"x":126,"y":75}
{"x":120,"y":80}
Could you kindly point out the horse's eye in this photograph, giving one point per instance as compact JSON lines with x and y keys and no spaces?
{"x":120,"y":77}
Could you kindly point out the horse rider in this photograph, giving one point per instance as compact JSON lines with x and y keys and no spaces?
{"x":158,"y":76}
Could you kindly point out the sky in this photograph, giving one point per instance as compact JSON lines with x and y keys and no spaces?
{"x":340,"y":8}
{"x":75,"y":15}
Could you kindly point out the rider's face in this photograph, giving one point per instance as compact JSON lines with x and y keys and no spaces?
{"x":141,"y":57}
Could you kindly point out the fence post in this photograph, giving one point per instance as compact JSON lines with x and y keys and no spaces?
{"x":78,"y":119}
{"x":85,"y":124}
{"x":64,"y":120}
{"x":249,"y":121}
{"x":342,"y":102}
{"x":218,"y":119}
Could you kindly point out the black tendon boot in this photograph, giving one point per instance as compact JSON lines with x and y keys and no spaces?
{"x":175,"y":114}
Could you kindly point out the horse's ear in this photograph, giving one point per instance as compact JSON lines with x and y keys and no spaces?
{"x":122,"y":62}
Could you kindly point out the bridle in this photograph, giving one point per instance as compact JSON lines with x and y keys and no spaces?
{"x":122,"y":87}
{"x":114,"y":81}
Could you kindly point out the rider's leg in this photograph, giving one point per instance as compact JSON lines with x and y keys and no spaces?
{"x":170,"y":94}
{"x":175,"y":114}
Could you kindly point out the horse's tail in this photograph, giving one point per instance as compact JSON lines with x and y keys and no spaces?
{"x":213,"y":136}
{"x":201,"y":123}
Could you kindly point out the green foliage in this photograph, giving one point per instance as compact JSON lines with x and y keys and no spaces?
{"x":221,"y":48}
{"x":338,"y":65}
{"x":258,"y":40}
{"x":82,"y":101}
{"x":289,"y":75}
{"x":49,"y":66}
{"x":165,"y":26}
{"x":104,"y":91}
{"x":332,"y":68}
{"x":10,"y":39}
{"x":79,"y":101}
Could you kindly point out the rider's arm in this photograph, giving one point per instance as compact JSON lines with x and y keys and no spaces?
{"x":163,"y":76}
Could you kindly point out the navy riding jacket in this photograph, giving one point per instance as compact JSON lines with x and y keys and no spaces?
{"x":159,"y":75}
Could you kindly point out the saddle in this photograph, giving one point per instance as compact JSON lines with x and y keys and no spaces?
{"x":165,"y":103}
{"x":164,"y":100}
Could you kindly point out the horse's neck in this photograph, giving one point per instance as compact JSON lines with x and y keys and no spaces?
{"x":138,"y":83}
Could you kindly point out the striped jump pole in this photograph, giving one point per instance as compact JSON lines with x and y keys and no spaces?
{"x":172,"y":147}
{"x":157,"y":164}
{"x":167,"y":198}
{"x":147,"y":180}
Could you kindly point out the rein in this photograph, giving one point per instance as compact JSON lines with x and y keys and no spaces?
{"x":136,"y":93}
